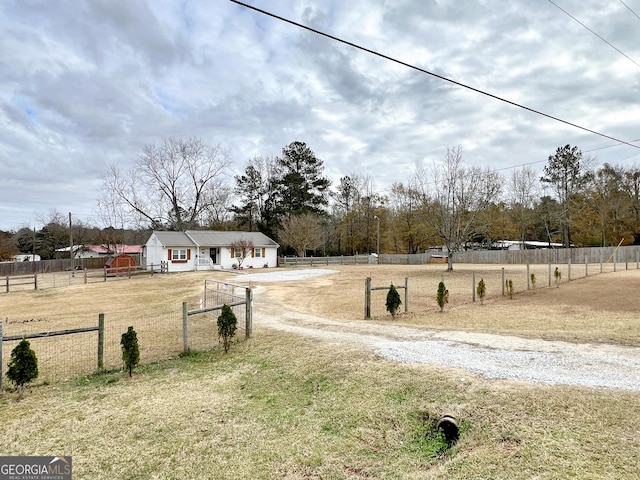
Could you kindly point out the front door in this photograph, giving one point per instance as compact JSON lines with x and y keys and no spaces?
{"x":213,"y":253}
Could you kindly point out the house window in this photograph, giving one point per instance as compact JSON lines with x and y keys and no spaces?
{"x":257,"y":252}
{"x":179,"y":254}
{"x":237,"y":253}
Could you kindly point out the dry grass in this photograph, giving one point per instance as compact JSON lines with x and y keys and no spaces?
{"x":153,"y":305}
{"x":597,"y":308}
{"x":280,"y":406}
{"x":284,"y":407}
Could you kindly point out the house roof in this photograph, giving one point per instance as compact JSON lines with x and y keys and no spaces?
{"x":211,"y":238}
{"x":173,"y":239}
{"x":105,"y":250}
{"x":221,"y":238}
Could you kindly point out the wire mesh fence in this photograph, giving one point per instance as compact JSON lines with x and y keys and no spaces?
{"x":161,"y":335}
{"x":463,"y":281}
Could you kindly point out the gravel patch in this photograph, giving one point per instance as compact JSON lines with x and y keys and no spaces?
{"x":572,"y":368}
{"x":488,"y":355}
{"x":287,"y":275}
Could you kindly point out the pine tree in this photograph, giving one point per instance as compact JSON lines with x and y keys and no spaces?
{"x":227,"y":324}
{"x":130,"y":350}
{"x":442,"y":296}
{"x":481,"y":290}
{"x":509,"y":285}
{"x":393,"y":301}
{"x":23,"y":366}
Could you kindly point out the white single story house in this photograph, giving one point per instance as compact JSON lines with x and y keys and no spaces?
{"x":209,"y":250}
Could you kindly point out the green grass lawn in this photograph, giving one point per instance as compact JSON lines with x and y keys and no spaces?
{"x":278,"y":406}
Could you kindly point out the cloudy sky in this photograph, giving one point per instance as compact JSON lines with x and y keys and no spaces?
{"x":86,"y":84}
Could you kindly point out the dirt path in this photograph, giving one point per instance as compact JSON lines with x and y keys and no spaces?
{"x":489,"y":355}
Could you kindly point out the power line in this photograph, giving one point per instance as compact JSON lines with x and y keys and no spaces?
{"x":629,"y":8}
{"x":608,"y":146}
{"x":600,"y":37}
{"x":427,"y":72}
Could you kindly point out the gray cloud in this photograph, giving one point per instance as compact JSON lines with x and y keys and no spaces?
{"x":86,"y":84}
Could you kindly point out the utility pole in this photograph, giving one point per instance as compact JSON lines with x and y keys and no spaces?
{"x":33,"y":256}
{"x":378,"y":236}
{"x":71,"y":255}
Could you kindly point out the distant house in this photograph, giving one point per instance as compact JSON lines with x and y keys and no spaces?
{"x":208,"y":250}
{"x":520,"y":245}
{"x":25,"y":258}
{"x":97,"y":251}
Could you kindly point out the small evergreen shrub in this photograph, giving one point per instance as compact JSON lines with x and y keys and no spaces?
{"x":227,"y":324}
{"x":557,"y":274}
{"x":532,"y":277}
{"x":442,"y":297}
{"x":23,"y":366}
{"x":509,"y":285}
{"x":393,"y":301}
{"x":481,"y":290}
{"x":130,"y":349}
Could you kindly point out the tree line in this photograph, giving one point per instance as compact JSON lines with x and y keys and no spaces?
{"x":185,"y":183}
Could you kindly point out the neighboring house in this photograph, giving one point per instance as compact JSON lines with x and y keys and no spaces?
{"x":208,"y":250}
{"x":25,"y":258}
{"x":527,"y":244}
{"x":97,"y":251}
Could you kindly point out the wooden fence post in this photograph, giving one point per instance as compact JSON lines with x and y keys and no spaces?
{"x":185,"y":315}
{"x":569,"y":269}
{"x":100,"y":341}
{"x":367,"y":298}
{"x":35,"y":282}
{"x":503,"y":281}
{"x":1,"y":364}
{"x":473,"y":286}
{"x":528,"y":278}
{"x":248,"y":315}
{"x":7,"y":282}
{"x":105,"y":273}
{"x":549,"y":273}
{"x":406,"y":294}
{"x":586,"y":266}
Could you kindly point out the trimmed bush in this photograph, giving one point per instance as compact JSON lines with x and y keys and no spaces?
{"x":23,"y":366}
{"x":509,"y":285}
{"x":227,"y":324}
{"x":393,"y":301}
{"x":557,"y":274}
{"x":481,"y":290}
{"x":442,"y":297}
{"x":130,"y":349}
{"x":532,"y":277}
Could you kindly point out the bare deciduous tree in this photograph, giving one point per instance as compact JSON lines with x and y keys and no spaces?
{"x":458,"y":195}
{"x":302,"y":232}
{"x":523,"y":190}
{"x":240,"y":250}
{"x":169,"y":185}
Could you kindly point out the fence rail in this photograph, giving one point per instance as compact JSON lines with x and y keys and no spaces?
{"x":43,"y":281}
{"x":623,"y":254}
{"x":73,"y":352}
{"x":421,"y":289}
{"x":333,"y":260}
{"x":9,"y":282}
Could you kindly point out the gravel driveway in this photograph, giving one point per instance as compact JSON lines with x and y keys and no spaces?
{"x":492,"y":356}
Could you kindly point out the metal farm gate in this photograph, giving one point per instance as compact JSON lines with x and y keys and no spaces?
{"x":216,"y":295}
